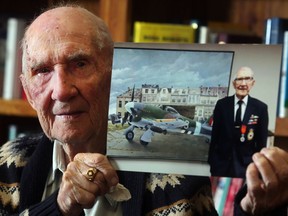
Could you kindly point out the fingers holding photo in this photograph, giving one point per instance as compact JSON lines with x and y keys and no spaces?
{"x":267,"y":179}
{"x":272,"y":164}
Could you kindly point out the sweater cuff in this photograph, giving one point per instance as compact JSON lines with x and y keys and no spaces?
{"x":47,"y":207}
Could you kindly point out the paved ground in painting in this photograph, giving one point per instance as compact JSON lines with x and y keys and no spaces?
{"x":170,"y":146}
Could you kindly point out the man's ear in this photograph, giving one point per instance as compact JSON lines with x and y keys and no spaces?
{"x":234,"y":84}
{"x":253,"y":83}
{"x":24,"y":81}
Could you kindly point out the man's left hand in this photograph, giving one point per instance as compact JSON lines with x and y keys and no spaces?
{"x":267,"y":181}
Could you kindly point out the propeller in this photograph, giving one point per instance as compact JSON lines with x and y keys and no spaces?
{"x":127,"y":114}
{"x":124,"y":120}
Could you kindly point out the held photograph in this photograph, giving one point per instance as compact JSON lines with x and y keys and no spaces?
{"x":163,"y":96}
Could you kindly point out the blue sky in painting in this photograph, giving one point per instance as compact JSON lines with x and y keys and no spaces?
{"x":168,"y":68}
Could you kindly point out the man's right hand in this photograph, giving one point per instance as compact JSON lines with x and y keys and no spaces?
{"x":77,"y":191}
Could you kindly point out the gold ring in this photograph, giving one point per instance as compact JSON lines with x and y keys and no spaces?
{"x":91,"y":173}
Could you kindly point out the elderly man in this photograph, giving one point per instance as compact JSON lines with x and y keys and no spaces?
{"x":67,"y":58}
{"x":240,"y":128}
{"x":67,"y":62}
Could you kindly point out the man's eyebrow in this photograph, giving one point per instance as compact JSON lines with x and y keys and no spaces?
{"x":73,"y":57}
{"x":78,"y":56}
{"x":244,"y":77}
{"x":36,"y":65}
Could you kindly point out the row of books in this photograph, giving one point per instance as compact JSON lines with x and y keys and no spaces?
{"x":224,"y":190}
{"x":10,"y":58}
{"x":213,"y":32}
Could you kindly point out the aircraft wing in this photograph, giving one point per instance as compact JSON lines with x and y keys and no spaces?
{"x":143,"y":123}
{"x":170,"y":124}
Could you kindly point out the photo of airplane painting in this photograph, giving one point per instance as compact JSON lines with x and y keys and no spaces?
{"x":162,"y":101}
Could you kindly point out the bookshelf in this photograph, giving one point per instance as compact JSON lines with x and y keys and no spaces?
{"x":17,"y":113}
{"x":17,"y":108}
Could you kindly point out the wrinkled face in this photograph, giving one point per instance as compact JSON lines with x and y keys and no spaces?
{"x":67,"y":83}
{"x":243,"y":83}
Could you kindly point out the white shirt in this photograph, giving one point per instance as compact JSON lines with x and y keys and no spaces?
{"x":102,"y":206}
{"x":243,"y":106}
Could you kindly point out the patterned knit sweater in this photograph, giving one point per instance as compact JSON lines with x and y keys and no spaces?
{"x":24,"y":166}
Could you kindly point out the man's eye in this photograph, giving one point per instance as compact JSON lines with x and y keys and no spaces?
{"x":42,"y":70}
{"x":80,"y":64}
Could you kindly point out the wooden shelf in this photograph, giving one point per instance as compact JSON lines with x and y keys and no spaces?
{"x":20,"y":108}
{"x":281,"y":133}
{"x":281,"y":127}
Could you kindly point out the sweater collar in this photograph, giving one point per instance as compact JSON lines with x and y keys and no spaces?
{"x":35,"y":173}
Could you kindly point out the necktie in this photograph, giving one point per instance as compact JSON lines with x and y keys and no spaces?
{"x":238,"y":120}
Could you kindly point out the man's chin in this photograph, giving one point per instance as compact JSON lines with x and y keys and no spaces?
{"x":68,"y":138}
{"x":242,"y":93}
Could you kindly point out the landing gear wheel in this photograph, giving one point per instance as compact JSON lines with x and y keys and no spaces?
{"x":129,"y":135}
{"x":187,"y":124}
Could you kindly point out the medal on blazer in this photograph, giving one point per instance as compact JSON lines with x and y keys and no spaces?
{"x":250,"y":134}
{"x":243,"y":131}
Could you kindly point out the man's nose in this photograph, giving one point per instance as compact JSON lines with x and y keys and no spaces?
{"x":243,"y":81}
{"x":63,"y":85}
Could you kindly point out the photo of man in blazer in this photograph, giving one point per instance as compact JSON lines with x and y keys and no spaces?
{"x":240,"y":128}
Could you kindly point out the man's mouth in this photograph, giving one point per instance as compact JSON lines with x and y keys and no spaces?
{"x":242,"y":88}
{"x":68,"y":115}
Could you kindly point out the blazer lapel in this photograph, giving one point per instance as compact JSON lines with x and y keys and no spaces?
{"x":230,"y":112}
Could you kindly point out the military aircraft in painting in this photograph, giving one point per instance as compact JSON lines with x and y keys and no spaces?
{"x":157,"y":119}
